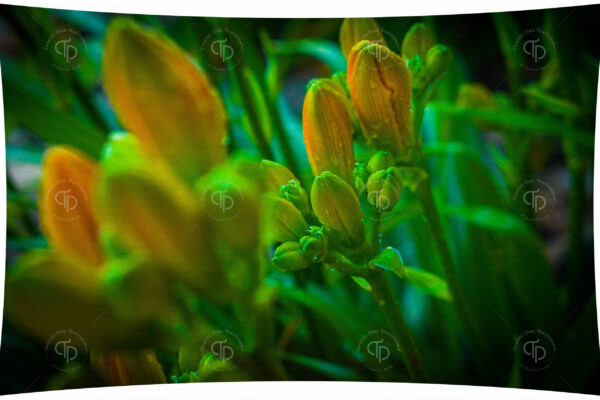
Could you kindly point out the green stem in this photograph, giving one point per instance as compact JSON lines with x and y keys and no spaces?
{"x":391,"y":309}
{"x":473,"y":330}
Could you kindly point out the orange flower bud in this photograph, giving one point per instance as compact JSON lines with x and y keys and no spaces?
{"x":379,"y":84}
{"x":65,"y":204}
{"x":164,"y":99}
{"x":127,"y":368}
{"x":354,"y":30}
{"x":327,"y":129}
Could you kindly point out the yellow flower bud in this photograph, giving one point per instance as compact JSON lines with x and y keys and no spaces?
{"x":354,"y":30}
{"x":437,"y":61}
{"x":328,"y":129}
{"x":65,"y":203}
{"x":476,"y":95}
{"x":127,"y":367}
{"x":164,"y":99}
{"x":380,"y":161}
{"x":283,"y":222}
{"x":380,"y":88}
{"x":165,"y":223}
{"x":384,"y":189}
{"x":275,"y":175}
{"x":417,"y":42}
{"x":50,"y":291}
{"x":288,"y":257}
{"x":336,"y":205}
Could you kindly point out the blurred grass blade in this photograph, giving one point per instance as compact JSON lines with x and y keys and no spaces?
{"x":324,"y":50}
{"x":527,"y":122}
{"x":51,"y":125}
{"x":326,"y":368}
{"x":428,"y":283}
{"x":491,"y":218}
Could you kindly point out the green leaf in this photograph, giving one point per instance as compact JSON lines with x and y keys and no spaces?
{"x":428,"y":283}
{"x":525,"y":121}
{"x":412,"y":177}
{"x":362,"y":282}
{"x":492,"y":219}
{"x":390,"y":260}
{"x":329,"y":369}
{"x":324,"y":50}
{"x":552,"y":103}
{"x":52,"y":125}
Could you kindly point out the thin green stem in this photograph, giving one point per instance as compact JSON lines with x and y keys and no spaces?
{"x":472,"y":327}
{"x":391,"y":309}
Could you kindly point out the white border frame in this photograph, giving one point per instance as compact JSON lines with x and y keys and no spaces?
{"x":295,"y":9}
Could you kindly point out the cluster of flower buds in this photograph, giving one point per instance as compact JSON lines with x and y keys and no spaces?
{"x":381,"y":180}
{"x":427,"y":60}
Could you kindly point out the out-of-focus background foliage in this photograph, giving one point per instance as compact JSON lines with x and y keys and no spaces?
{"x":519,"y":273}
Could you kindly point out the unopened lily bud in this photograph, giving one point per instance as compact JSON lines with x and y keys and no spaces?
{"x":417,"y":42}
{"x":283,"y":221}
{"x":438,"y":59}
{"x":275,"y":175}
{"x":181,"y":119}
{"x":127,"y":367}
{"x":288,"y":257}
{"x":315,"y":245}
{"x":295,"y":194}
{"x":361,"y":175}
{"x":380,"y":88}
{"x":327,"y":129}
{"x":336,"y":205}
{"x":476,"y":95}
{"x":354,"y":30}
{"x":384,"y":188}
{"x":65,"y":202}
{"x":380,"y":161}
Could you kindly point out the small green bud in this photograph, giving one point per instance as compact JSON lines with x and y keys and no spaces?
{"x":281,"y":219}
{"x":293,"y":192}
{"x":336,"y":205}
{"x":288,"y":257}
{"x":361,"y":175}
{"x":315,"y":245}
{"x":438,"y":59}
{"x":384,"y":189}
{"x":380,"y":161}
{"x":418,"y":40}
